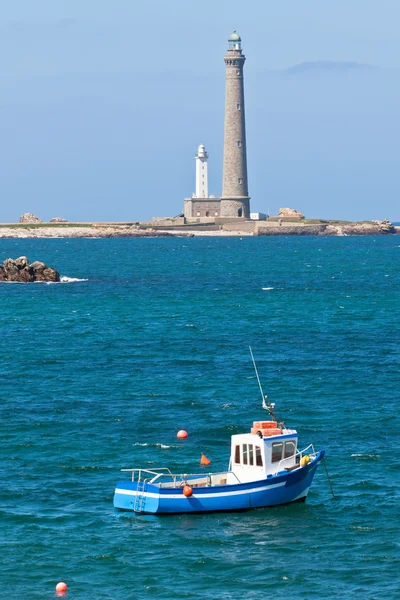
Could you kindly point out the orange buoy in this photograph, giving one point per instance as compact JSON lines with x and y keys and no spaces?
{"x":204,"y":460}
{"x":182,"y":434}
{"x":187,"y":491}
{"x":61,"y":588}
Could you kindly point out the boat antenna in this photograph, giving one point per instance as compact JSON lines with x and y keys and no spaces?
{"x":266,"y":404}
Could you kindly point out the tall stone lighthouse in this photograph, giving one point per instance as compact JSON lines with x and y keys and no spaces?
{"x":235,"y":201}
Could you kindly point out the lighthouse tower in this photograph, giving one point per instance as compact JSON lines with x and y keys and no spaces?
{"x":235,"y":201}
{"x":201,"y":173}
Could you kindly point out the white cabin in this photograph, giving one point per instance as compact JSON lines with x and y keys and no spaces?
{"x":254,"y":456}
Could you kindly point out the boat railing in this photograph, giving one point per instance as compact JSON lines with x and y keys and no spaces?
{"x":178,"y":479}
{"x":309,"y":451}
{"x":137,"y":473}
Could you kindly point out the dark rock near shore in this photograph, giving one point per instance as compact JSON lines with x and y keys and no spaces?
{"x":19,"y":270}
{"x":292,"y":230}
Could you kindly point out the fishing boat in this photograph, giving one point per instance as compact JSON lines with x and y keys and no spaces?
{"x":266,"y":468}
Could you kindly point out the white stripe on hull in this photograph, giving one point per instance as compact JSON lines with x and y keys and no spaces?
{"x":209,"y":495}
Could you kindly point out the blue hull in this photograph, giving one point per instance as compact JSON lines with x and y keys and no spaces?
{"x":283,"y":488}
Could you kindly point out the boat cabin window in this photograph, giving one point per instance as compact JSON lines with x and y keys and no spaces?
{"x":277,"y":448}
{"x":245,"y":454}
{"x":290,"y":448}
{"x":251,"y":455}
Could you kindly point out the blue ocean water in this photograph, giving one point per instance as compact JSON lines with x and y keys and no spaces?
{"x":99,"y":375}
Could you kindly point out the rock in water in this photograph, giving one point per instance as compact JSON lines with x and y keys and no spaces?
{"x":21,"y":271}
{"x":29,"y":218}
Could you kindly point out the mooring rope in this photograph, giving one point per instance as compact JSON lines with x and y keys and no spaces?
{"x":329,"y":479}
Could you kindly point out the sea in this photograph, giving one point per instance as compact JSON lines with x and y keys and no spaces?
{"x":145,"y":337}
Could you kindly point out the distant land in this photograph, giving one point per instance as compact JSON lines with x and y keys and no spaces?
{"x":327,"y":66}
{"x":175,"y":227}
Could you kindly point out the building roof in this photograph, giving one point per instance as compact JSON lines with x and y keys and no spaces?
{"x":234,"y":37}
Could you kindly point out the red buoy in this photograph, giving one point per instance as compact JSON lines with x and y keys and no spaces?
{"x":182,"y":434}
{"x":187,"y":491}
{"x":61,"y":588}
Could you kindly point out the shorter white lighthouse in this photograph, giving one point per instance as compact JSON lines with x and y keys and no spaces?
{"x":201,"y":208}
{"x":201,"y":173}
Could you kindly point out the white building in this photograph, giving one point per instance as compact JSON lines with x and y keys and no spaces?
{"x":201,"y":206}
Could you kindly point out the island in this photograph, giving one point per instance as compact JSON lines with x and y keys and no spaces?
{"x":173,"y":227}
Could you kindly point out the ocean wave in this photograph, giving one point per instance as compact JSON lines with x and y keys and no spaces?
{"x":154,"y":445}
{"x":268,"y":288}
{"x":65,"y":279}
{"x":366,"y":456}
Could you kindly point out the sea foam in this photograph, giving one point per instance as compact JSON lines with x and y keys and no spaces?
{"x":65,"y":279}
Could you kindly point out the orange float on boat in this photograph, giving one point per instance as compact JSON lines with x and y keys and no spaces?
{"x":264,"y":424}
{"x":267,"y":432}
{"x":187,"y":491}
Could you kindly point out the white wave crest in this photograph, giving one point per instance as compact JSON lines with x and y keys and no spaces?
{"x":157,"y":445}
{"x":267,"y":289}
{"x":366,"y":456}
{"x":65,"y":279}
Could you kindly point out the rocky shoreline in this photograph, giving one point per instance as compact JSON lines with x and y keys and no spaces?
{"x":332,"y":229}
{"x":246,"y":228}
{"x":90,"y":231}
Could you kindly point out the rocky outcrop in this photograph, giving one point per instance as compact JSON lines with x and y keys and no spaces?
{"x":329,"y":229}
{"x":19,"y":270}
{"x":290,"y":230}
{"x":58,"y":220}
{"x":29,"y":218}
{"x":385,"y":226}
{"x":290,"y":213}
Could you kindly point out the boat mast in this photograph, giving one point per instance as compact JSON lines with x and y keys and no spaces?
{"x":269,"y":406}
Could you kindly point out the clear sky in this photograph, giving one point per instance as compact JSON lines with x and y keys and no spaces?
{"x":103,"y":105}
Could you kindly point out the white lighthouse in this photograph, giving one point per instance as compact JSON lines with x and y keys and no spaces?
{"x":201,"y":173}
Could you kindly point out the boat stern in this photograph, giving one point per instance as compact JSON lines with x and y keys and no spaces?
{"x":136,"y":496}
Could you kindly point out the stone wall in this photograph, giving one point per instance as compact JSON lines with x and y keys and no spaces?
{"x":202,"y":208}
{"x":167,"y":221}
{"x":248,"y":226}
{"x":235,"y":207}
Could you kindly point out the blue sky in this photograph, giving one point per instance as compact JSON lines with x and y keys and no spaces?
{"x":103,"y":105}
